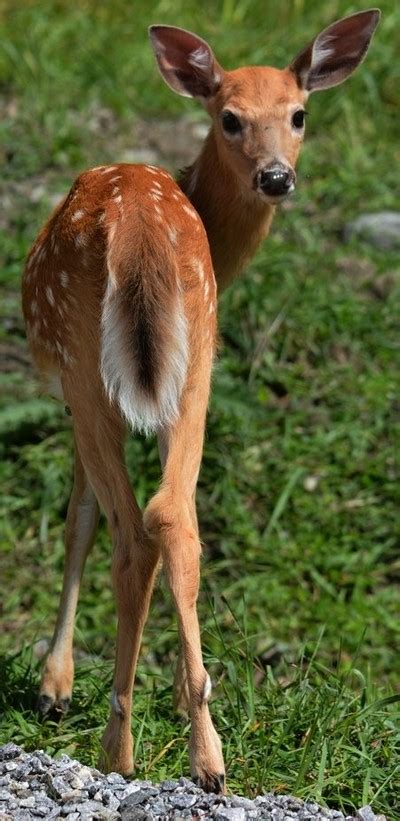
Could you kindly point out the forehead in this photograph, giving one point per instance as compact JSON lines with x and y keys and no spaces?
{"x":258,"y":88}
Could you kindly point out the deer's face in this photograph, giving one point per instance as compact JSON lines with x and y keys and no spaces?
{"x":258,"y":116}
{"x":258,"y":113}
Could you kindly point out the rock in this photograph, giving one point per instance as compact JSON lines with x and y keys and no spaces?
{"x":9,"y":766}
{"x":240,"y":801}
{"x":169,"y":786}
{"x":37,"y":786}
{"x":27,"y":802}
{"x":134,"y":799}
{"x":382,"y":229}
{"x":182,"y":801}
{"x":135,"y":814}
{"x":231,"y":814}
{"x":365,"y":814}
{"x":9,"y":751}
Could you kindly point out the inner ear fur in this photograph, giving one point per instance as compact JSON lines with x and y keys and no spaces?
{"x":336,"y":52}
{"x":186,"y":61}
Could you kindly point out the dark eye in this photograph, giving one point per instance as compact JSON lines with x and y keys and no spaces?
{"x":298,"y":119}
{"x":230,"y":123}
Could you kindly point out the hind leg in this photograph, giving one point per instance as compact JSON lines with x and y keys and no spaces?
{"x":81,"y":523}
{"x":134,"y":561}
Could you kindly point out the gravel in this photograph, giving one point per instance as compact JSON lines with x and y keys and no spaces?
{"x":34,"y":786}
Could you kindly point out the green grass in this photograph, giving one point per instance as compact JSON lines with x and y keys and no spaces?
{"x":299,"y":490}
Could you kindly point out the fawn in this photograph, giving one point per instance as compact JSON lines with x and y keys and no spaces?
{"x":119,"y":298}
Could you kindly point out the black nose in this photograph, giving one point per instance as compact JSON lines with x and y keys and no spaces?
{"x":276,"y":181}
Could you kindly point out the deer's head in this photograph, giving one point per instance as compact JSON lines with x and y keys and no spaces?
{"x":258,"y":113}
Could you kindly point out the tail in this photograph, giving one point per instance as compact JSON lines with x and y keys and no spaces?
{"x":144,"y":339}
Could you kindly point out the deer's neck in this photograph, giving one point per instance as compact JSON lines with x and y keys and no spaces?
{"x":235,"y":222}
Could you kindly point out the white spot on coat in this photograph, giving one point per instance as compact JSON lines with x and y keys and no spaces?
{"x":197,"y":263}
{"x":189,"y":210}
{"x":77,"y":215}
{"x":50,"y":296}
{"x":80,"y":240}
{"x":173,"y":234}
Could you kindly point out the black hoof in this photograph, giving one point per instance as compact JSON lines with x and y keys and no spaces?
{"x":62,"y":706}
{"x":210,"y":783}
{"x":44,"y":705}
{"x":47,"y":706}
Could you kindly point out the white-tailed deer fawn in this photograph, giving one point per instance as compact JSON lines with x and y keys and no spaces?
{"x":119,"y":299}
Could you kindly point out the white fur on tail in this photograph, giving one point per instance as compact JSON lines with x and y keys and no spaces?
{"x":119,"y":373}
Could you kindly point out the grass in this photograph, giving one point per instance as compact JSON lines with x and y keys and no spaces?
{"x":299,"y":489}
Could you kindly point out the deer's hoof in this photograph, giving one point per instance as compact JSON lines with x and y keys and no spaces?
{"x":49,"y":706}
{"x":209,"y":782}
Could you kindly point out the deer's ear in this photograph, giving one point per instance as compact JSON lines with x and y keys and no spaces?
{"x":334,"y":54}
{"x":186,"y":62}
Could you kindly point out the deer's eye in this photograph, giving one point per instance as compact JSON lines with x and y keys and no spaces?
{"x":298,"y":118}
{"x":230,"y":123}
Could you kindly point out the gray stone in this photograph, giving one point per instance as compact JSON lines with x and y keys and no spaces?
{"x":182,"y":801}
{"x":365,"y":814}
{"x":109,"y":800}
{"x":79,"y":793}
{"x":169,"y":786}
{"x":57,"y":786}
{"x":27,"y":802}
{"x":10,"y":766}
{"x":76,"y":783}
{"x":135,"y":814}
{"x":134,"y":799}
{"x":115,"y":778}
{"x":73,"y":797}
{"x":230,"y":814}
{"x":381,"y":229}
{"x":187,"y":784}
{"x":158,"y":808}
{"x":240,"y":801}
{"x":9,"y":751}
